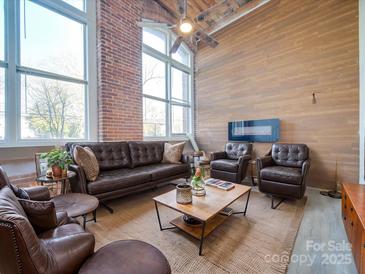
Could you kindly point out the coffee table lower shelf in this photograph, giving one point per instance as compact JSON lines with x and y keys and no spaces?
{"x":196,"y":231}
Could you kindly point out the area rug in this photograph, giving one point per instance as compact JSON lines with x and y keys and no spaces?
{"x":261,"y":242}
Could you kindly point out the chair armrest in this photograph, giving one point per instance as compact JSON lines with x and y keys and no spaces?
{"x":263,"y":162}
{"x":218,"y":155}
{"x":63,"y":218}
{"x":244,"y":158}
{"x":38,"y":193}
{"x":78,"y":183}
{"x":71,"y":251}
{"x":305,"y":167}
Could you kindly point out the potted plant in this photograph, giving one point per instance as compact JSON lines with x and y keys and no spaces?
{"x":197,"y":183}
{"x":58,"y":159}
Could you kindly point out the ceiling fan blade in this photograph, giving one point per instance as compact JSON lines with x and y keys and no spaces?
{"x":182,"y":7}
{"x":176,"y":44}
{"x":154,"y":25}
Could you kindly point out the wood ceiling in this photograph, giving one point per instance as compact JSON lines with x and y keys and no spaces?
{"x":219,"y":13}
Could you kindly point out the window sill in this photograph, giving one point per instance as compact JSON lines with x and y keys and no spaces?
{"x":167,"y":139}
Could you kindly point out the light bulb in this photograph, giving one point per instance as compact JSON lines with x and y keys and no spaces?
{"x":186,"y":26}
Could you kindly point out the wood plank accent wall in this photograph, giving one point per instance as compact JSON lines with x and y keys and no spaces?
{"x":269,"y":63}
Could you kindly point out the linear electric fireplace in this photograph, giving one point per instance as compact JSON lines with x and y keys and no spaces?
{"x":264,"y":131}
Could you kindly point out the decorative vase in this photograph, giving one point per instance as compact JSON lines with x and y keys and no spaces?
{"x":198,"y":186}
{"x":64,"y":173}
{"x":183,"y":194}
{"x":56,"y":171}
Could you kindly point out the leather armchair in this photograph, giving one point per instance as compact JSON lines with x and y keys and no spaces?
{"x":283,"y":172}
{"x":231,"y":164}
{"x":57,"y":248}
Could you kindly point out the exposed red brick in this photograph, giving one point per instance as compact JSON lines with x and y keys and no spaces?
{"x":119,"y":53}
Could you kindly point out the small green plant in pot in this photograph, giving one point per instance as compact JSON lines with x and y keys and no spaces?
{"x":58,"y":159}
{"x":197,"y":183}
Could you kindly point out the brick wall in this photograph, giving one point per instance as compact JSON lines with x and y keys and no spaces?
{"x":119,"y":53}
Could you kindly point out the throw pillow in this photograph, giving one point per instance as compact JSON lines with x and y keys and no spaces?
{"x":85,"y":158}
{"x":172,"y":153}
{"x":42,"y":215}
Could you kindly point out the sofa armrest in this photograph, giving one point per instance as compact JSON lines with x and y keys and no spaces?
{"x":305,"y":167}
{"x":185,"y":159}
{"x":218,"y":155}
{"x":38,"y":193}
{"x":263,"y":162}
{"x":78,"y":183}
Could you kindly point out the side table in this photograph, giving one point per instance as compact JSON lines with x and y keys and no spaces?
{"x":252,"y":164}
{"x":77,"y":204}
{"x":63,"y":180}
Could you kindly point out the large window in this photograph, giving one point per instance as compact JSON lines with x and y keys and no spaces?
{"x":45,"y":66}
{"x":167,"y":86}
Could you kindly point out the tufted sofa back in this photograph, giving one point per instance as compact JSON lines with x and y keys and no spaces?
{"x":110,"y":155}
{"x":235,"y":150}
{"x":146,"y":153}
{"x":290,"y":155}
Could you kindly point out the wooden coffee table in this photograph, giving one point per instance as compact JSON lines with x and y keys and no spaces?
{"x":206,"y":209}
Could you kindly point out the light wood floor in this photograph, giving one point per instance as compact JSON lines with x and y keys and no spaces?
{"x":321,"y":223}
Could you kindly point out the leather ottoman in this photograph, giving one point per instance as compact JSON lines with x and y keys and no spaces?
{"x":127,"y":257}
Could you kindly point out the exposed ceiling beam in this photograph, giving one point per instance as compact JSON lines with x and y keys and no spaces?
{"x":238,"y":14}
{"x":172,"y":12}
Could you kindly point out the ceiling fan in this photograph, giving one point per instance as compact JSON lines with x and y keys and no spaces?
{"x":185,"y":27}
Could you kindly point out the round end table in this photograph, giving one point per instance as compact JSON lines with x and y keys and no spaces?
{"x":49,"y":180}
{"x":77,"y":204}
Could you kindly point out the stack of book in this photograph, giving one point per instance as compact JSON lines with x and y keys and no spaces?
{"x":219,"y":184}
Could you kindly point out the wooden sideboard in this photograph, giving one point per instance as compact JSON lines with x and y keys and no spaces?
{"x":353,"y":216}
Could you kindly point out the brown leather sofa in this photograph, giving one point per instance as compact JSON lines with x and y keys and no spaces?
{"x":231,"y":164}
{"x":126,"y":168}
{"x":282,"y":173}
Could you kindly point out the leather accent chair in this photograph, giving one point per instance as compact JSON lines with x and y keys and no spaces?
{"x":62,"y":248}
{"x":283,"y":171}
{"x":231,"y":164}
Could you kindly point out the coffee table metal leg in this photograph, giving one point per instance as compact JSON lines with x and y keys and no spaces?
{"x":159,"y":220}
{"x":248,"y":198}
{"x":202,"y":239}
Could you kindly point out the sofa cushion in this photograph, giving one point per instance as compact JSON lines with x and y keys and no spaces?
{"x":85,"y":158}
{"x":110,"y":155}
{"x":41,"y":214}
{"x":117,"y":179}
{"x":289,"y":175}
{"x":161,"y":171}
{"x":146,"y":153}
{"x":172,"y":153}
{"x":291,"y":155}
{"x":225,"y":165}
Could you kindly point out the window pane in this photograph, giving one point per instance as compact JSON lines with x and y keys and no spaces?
{"x":180,"y":119}
{"x":51,"y":42}
{"x":2,"y":30}
{"x":182,"y":55}
{"x":2,"y":104}
{"x":154,"y":75}
{"x":154,"y":118}
{"x":52,"y":109}
{"x":155,"y":39}
{"x":79,"y":4}
{"x":179,"y":85}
